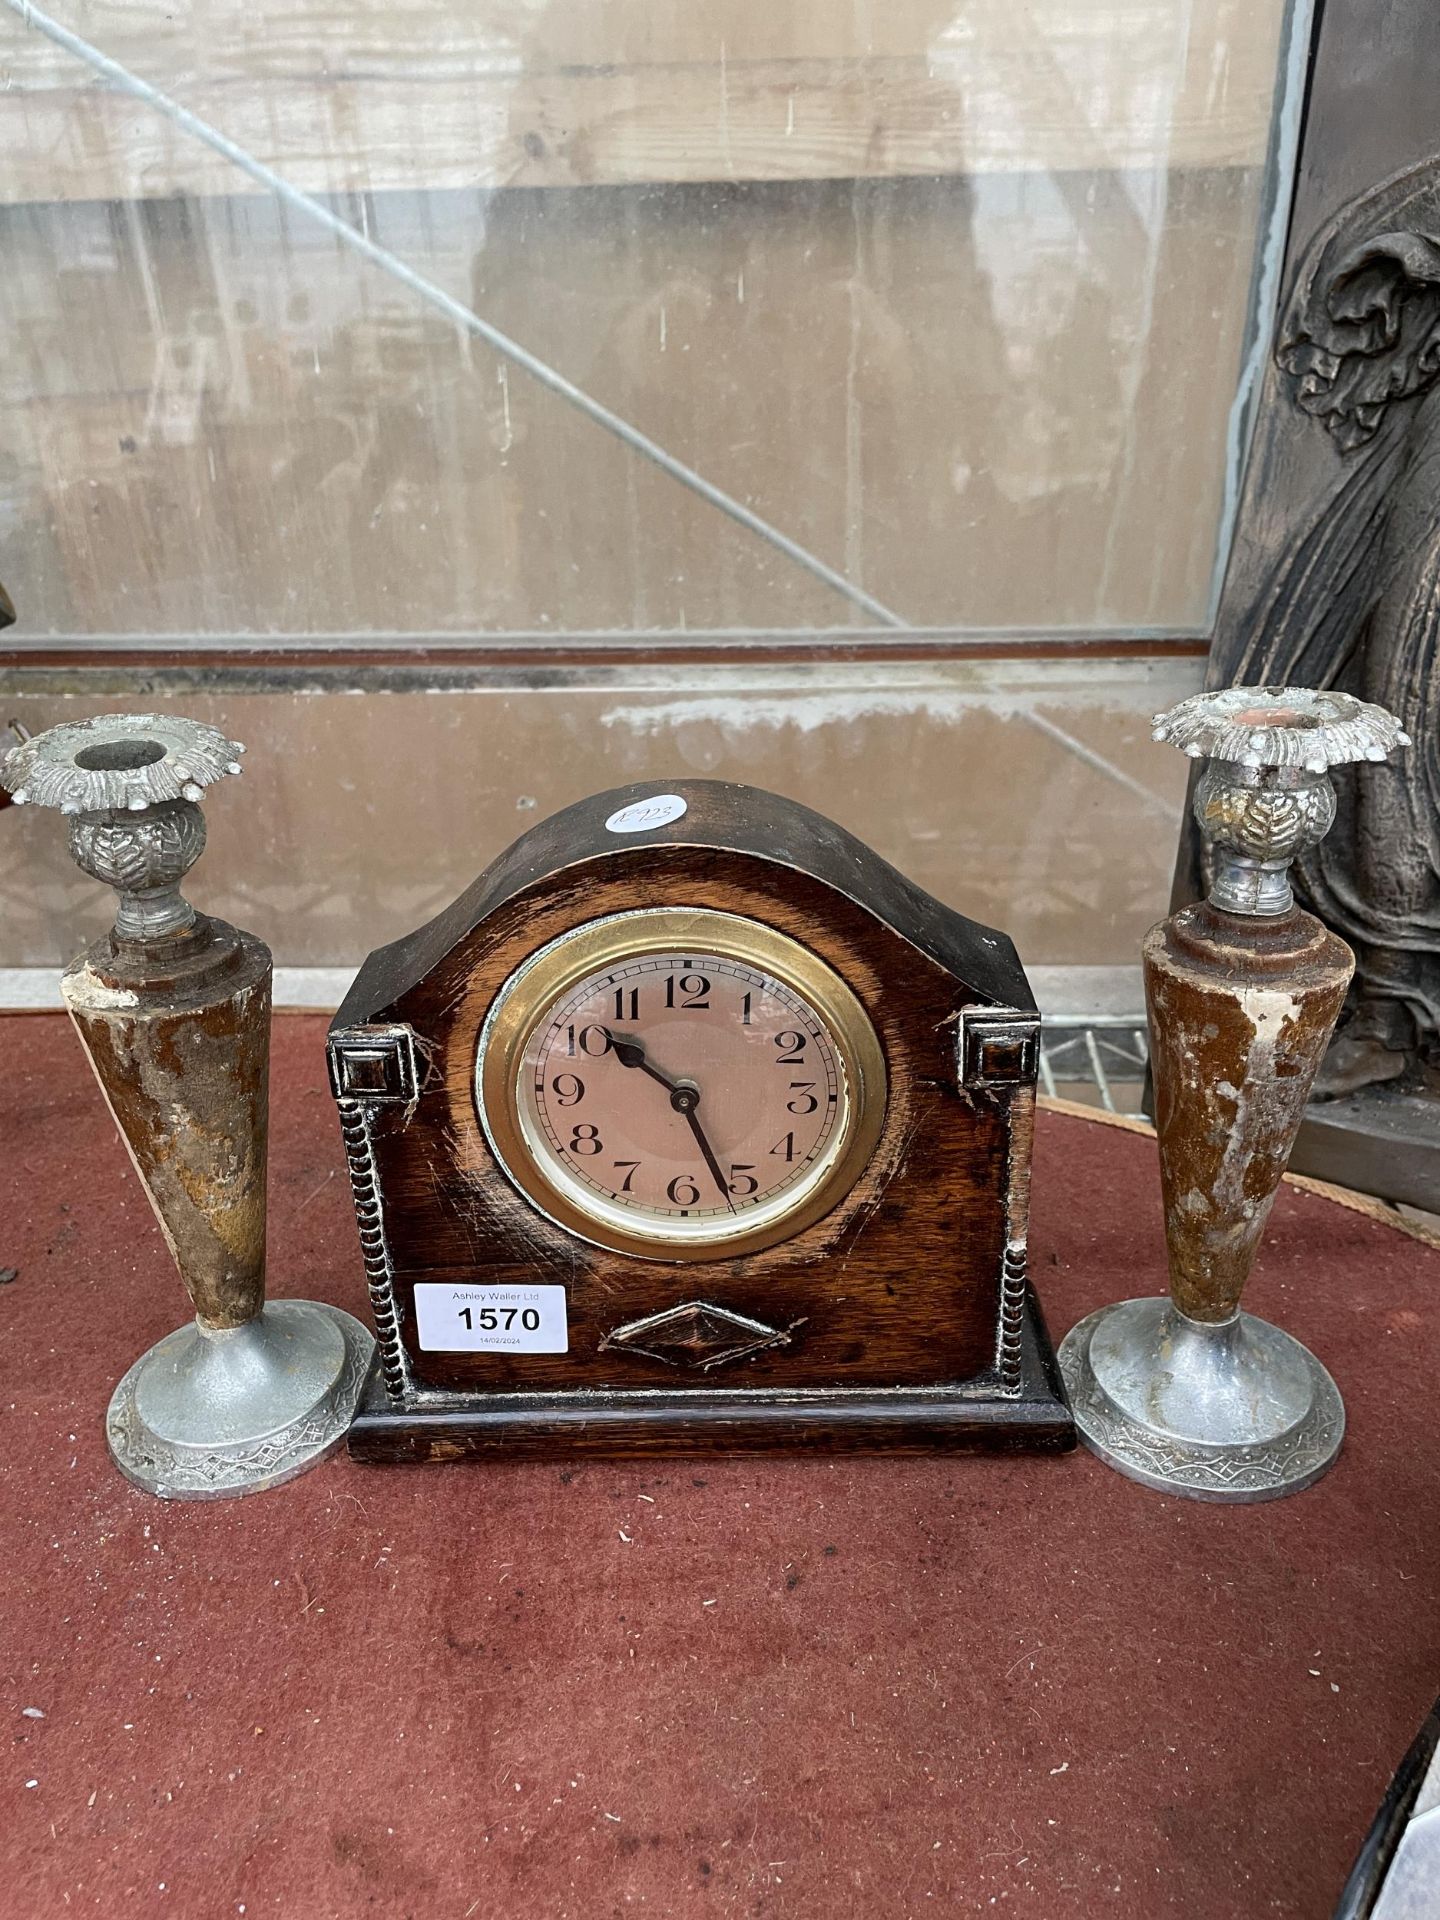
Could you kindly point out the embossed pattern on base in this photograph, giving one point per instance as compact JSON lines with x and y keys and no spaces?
{"x":225,"y":1472}
{"x":1264,"y":1471}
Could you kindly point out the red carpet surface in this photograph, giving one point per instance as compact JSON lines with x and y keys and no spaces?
{"x":786,"y":1687}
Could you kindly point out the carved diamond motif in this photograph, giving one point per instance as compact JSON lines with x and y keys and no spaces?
{"x":697,"y":1335}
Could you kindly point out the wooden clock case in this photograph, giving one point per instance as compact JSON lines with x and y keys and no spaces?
{"x":902,"y":1319}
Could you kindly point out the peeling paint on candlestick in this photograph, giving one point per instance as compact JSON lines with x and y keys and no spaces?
{"x":1233,"y":1068}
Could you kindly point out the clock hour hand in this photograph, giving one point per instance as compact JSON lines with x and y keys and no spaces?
{"x":684,"y":1098}
{"x":630,"y":1053}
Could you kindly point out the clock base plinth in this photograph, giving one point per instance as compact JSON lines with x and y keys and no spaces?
{"x":624,"y":1422}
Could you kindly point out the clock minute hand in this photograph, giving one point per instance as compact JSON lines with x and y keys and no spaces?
{"x":690,"y":1114}
{"x":683,"y":1098}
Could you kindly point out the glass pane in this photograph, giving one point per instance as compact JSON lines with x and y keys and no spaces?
{"x":952,"y":298}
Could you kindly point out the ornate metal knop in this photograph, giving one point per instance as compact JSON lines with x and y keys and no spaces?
{"x":1266,"y":796}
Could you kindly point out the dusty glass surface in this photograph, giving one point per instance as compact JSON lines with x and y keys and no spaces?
{"x":953,"y":297}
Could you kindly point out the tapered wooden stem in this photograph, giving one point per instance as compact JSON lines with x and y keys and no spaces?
{"x":1241,"y":1011}
{"x":178,"y":1032}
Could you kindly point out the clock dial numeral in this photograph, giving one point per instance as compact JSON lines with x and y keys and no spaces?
{"x":592,"y":1040}
{"x":585,"y":1139}
{"x":683,"y":1191}
{"x":630,"y":1166}
{"x":742,"y":1179}
{"x":691,"y":991}
{"x":568,"y":1089}
{"x":805,"y":1101}
{"x":792,"y":1045}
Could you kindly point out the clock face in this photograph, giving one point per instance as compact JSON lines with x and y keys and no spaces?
{"x":680,"y":1083}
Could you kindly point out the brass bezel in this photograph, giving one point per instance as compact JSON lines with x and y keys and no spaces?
{"x":535,"y":986}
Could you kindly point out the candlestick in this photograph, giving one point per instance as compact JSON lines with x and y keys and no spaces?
{"x":1190,"y":1394}
{"x":173,"y":1009}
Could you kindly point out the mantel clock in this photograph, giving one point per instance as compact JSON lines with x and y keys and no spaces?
{"x":693,"y":1125}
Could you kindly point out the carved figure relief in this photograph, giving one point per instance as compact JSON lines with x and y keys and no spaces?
{"x":1354,"y":602}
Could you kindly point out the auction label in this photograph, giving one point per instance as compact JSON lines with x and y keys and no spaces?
{"x":458,"y":1319}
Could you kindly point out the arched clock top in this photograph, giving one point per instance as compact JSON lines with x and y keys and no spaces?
{"x":578,"y":849}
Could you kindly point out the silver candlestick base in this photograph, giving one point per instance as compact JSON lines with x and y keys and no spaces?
{"x":208,"y":1413}
{"x":1231,"y":1411}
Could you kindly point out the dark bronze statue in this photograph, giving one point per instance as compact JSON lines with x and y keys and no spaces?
{"x":1353,"y":602}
